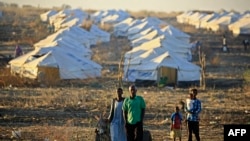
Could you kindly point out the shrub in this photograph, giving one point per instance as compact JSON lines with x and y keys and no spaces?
{"x":215,"y":60}
{"x":246,"y":76}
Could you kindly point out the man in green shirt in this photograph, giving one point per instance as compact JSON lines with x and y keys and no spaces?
{"x":133,"y":112}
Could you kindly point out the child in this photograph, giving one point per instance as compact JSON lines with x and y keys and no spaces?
{"x":176,"y":123}
{"x":190,"y":102}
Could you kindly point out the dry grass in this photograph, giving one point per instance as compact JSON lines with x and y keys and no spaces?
{"x":215,"y":61}
{"x":66,"y":111}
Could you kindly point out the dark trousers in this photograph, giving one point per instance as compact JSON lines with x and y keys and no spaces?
{"x":245,"y":47}
{"x":193,"y":128}
{"x":134,"y":132}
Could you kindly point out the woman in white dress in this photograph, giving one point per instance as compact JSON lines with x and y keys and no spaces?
{"x":117,"y":123}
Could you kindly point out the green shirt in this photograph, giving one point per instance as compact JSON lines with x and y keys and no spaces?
{"x":133,"y":107}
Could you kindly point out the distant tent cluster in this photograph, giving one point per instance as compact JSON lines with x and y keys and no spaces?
{"x":159,"y":50}
{"x":111,"y":16}
{"x":238,"y":23}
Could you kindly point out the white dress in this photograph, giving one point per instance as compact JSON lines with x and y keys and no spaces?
{"x":117,"y":125}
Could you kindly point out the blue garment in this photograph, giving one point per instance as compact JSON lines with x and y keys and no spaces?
{"x":174,"y":114}
{"x":175,"y":123}
{"x":193,"y":114}
{"x":117,"y":125}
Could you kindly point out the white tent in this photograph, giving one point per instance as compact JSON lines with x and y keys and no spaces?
{"x":165,"y":64}
{"x":242,"y":26}
{"x":45,"y":16}
{"x":184,"y":17}
{"x":222,"y":22}
{"x":206,"y":19}
{"x":68,"y":43}
{"x":196,"y":18}
{"x":169,"y":43}
{"x":175,"y":32}
{"x":137,"y":28}
{"x":140,"y":34}
{"x":101,"y":35}
{"x":112,"y":16}
{"x":69,"y":64}
{"x":149,"y":36}
{"x":136,"y":51}
{"x":76,"y":33}
{"x":155,"y":22}
{"x":68,"y":17}
{"x":120,"y":29}
{"x":115,"y":17}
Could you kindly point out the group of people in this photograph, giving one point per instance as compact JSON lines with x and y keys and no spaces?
{"x":192,"y":110}
{"x":127,"y":114}
{"x":245,"y":43}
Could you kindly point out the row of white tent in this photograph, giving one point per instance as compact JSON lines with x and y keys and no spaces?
{"x":66,"y":52}
{"x":144,"y":62}
{"x":67,"y":64}
{"x":238,"y":23}
{"x":111,"y":16}
{"x":158,"y":50}
{"x":74,"y":17}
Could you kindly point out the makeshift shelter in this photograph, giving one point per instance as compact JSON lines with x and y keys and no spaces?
{"x":172,"y":31}
{"x":69,"y":64}
{"x":101,"y":35}
{"x":151,"y":35}
{"x":120,"y":29}
{"x":174,"y":68}
{"x":68,"y":17}
{"x":137,"y":28}
{"x":68,"y":43}
{"x":45,"y":16}
{"x":241,"y":26}
{"x":184,"y":17}
{"x":75,"y":33}
{"x":140,"y":34}
{"x":169,"y":43}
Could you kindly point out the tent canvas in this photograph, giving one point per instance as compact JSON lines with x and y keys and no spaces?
{"x":163,"y":65}
{"x":101,"y":35}
{"x":70,"y":65}
{"x":67,"y":43}
{"x":168,"y":43}
{"x":45,"y":16}
{"x":149,"y":36}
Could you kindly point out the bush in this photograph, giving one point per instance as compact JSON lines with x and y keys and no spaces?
{"x":246,"y":76}
{"x":215,"y":60}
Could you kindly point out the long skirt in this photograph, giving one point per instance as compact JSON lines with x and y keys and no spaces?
{"x":117,"y":132}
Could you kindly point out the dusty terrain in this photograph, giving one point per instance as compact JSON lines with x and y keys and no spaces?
{"x":66,"y":112}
